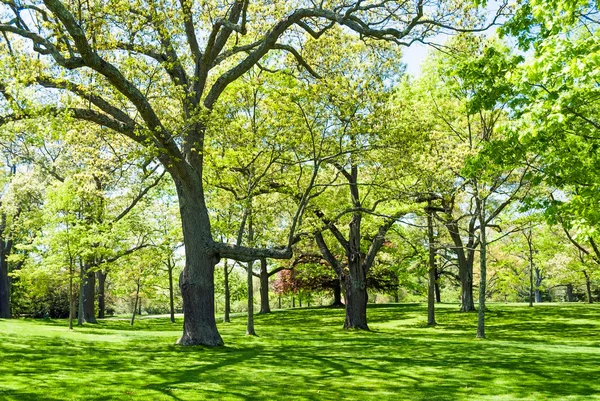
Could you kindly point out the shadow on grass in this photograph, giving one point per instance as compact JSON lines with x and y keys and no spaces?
{"x":304,"y":354}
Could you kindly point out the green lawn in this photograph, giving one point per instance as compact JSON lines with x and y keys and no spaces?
{"x":541,"y":353}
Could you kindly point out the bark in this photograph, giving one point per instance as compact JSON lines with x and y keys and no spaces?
{"x":337,"y":294}
{"x":89,"y":296}
{"x":483,"y":272}
{"x":264,"y":288}
{"x":538,"y":283}
{"x":569,"y":293}
{"x":465,"y":267}
{"x":197,"y":278}
{"x":356,"y":302}
{"x":227,"y":309}
{"x":588,"y":287}
{"x":250,"y":323}
{"x":529,"y":238}
{"x":438,"y":295}
{"x":538,"y":296}
{"x":135,"y":304}
{"x":279,"y":302}
{"x":101,"y":279}
{"x":5,"y":312}
{"x":431,"y":273}
{"x":171,"y":291}
{"x":293,"y":301}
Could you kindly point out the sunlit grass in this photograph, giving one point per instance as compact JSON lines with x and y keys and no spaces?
{"x":540,"y":353}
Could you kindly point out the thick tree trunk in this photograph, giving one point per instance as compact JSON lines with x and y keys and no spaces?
{"x":465,"y":269}
{"x":250,"y":323}
{"x":466,"y":281}
{"x":356,"y":303}
{"x":569,"y":293}
{"x":264,"y":288}
{"x":431,"y":273}
{"x":89,"y":297}
{"x":227,"y":309}
{"x":337,"y":294}
{"x":197,"y":278}
{"x":171,"y":293}
{"x":588,"y":287}
{"x":101,"y":278}
{"x":5,"y":312}
{"x":538,"y":296}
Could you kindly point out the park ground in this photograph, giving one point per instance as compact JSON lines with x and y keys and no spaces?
{"x":548,"y":352}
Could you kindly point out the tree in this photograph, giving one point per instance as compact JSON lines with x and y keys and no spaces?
{"x":102,"y":55}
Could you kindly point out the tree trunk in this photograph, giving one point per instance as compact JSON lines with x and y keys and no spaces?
{"x":71,"y":295}
{"x":264,"y":288}
{"x":227,"y":310}
{"x":588,"y":287}
{"x":293,"y":301}
{"x":569,"y":293}
{"x":197,"y":278}
{"x":438,"y":295}
{"x":483,"y":271}
{"x":135,"y":304}
{"x":337,"y":294}
{"x":80,"y":319}
{"x":300,"y":300}
{"x":250,"y":323}
{"x":356,"y":303}
{"x":5,"y":312}
{"x":171,"y":292}
{"x":538,"y":296}
{"x":101,"y":278}
{"x":431,"y":272}
{"x":279,"y":302}
{"x":89,"y":296}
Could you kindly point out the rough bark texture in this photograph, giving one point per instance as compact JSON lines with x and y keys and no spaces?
{"x":337,"y":295}
{"x":438,"y":295}
{"x":569,"y":292}
{"x":89,"y":297}
{"x":197,"y":279}
{"x":588,"y":287}
{"x":5,"y":312}
{"x":101,"y":280}
{"x":431,"y":272}
{"x":264,"y":288}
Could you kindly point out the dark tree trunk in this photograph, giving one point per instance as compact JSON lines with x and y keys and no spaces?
{"x":300,"y":300}
{"x":89,"y":297}
{"x":5,"y":312}
{"x":293,"y":301}
{"x":197,"y":279}
{"x":140,"y":307}
{"x":101,"y":278}
{"x":171,"y":292}
{"x":279,"y":302}
{"x":465,"y":268}
{"x":569,"y":293}
{"x":588,"y":287}
{"x":250,"y":323}
{"x":482,"y":271}
{"x":264,"y":288}
{"x":337,"y":294}
{"x":438,"y":295}
{"x":135,"y":304}
{"x":431,"y":272}
{"x":356,"y":302}
{"x":227,"y":309}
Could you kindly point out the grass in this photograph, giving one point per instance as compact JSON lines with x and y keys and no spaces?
{"x":549,"y":352}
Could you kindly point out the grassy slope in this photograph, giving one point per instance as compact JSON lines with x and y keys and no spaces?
{"x":546,"y":352}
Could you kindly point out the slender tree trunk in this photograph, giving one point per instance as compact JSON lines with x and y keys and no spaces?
{"x":265,"y":307}
{"x":227,"y":309}
{"x":135,"y":304}
{"x":5,"y":312}
{"x":337,"y":294}
{"x":531,"y":284}
{"x":140,"y":307}
{"x":171,"y":291}
{"x":438,"y":295}
{"x":197,"y":278}
{"x":89,"y":296}
{"x":279,"y":301}
{"x":538,"y":283}
{"x":293,"y":301}
{"x":101,"y":278}
{"x":300,"y":300}
{"x":569,"y":293}
{"x":250,"y":324}
{"x":431,"y":272}
{"x":71,"y":296}
{"x":483,"y":272}
{"x":80,"y":319}
{"x":588,"y":287}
